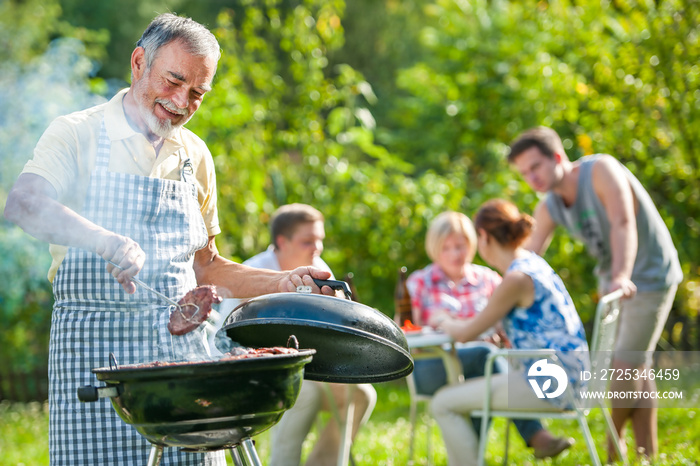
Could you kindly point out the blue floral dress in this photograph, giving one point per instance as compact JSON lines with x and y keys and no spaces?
{"x":551,"y":322}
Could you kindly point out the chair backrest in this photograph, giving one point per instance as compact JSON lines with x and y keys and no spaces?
{"x":603,"y":338}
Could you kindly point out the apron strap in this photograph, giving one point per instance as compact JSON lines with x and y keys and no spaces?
{"x":104,"y":146}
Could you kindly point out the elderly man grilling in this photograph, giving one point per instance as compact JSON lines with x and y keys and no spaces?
{"x":125,"y":182}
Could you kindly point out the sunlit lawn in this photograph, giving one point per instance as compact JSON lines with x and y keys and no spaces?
{"x":385,"y":440}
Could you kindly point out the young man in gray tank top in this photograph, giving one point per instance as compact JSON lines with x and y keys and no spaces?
{"x":602,"y":204}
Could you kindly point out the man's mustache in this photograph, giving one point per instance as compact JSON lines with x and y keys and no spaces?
{"x":172,"y":108}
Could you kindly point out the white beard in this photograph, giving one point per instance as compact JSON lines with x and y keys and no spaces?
{"x":162,"y":128}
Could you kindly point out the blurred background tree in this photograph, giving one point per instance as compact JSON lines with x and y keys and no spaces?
{"x":384,"y":113}
{"x":46,"y":69}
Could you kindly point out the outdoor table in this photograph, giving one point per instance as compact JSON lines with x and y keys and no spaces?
{"x":429,"y":343}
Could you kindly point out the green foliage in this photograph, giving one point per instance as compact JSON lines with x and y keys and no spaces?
{"x":26,"y":28}
{"x":45,"y":71}
{"x":283,"y":127}
{"x":25,"y":301}
{"x":612,"y":77}
{"x":381,"y":37}
{"x":124,"y":21}
{"x":28,"y":25}
{"x":383,"y":114}
{"x":24,"y":433}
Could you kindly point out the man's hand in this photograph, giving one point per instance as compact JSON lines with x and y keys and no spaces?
{"x":32,"y":205}
{"x":303,"y":276}
{"x":125,"y":253}
{"x":629,"y":289}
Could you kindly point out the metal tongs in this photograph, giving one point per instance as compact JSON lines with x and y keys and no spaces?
{"x":172,"y":302}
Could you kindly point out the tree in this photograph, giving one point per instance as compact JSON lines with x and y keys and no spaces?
{"x":617,"y":77}
{"x":284,"y":127}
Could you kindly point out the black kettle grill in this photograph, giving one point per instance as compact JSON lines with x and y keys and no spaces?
{"x":193,"y":405}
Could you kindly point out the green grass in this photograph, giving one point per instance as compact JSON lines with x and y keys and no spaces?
{"x":24,"y":433}
{"x":385,"y":440}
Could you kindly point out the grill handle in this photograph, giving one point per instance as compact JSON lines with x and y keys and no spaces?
{"x":335,"y":285}
{"x":90,"y":393}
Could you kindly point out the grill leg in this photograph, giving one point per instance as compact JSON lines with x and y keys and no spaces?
{"x":155,"y":455}
{"x":244,"y":454}
{"x":236,"y":456}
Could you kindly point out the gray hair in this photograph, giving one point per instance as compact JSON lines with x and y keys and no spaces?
{"x":167,"y":27}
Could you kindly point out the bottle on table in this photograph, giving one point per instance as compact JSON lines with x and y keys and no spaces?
{"x":402,"y":299}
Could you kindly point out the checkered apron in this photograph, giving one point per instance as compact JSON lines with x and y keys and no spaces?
{"x":93,"y":316}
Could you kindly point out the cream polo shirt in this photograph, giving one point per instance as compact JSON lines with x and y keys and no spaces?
{"x":65,"y":157}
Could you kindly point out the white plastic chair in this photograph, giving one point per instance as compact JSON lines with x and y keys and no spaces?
{"x":602,"y":343}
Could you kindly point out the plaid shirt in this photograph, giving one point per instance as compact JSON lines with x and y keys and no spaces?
{"x":429,"y":286}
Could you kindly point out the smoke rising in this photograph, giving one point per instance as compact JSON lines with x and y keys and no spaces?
{"x":32,"y":94}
